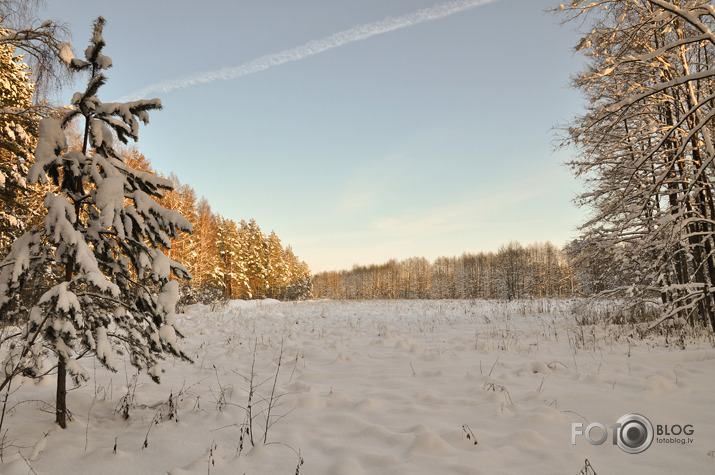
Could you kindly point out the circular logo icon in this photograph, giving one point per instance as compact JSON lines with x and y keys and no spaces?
{"x":635,"y":433}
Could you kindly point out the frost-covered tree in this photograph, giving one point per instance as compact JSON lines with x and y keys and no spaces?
{"x":109,"y":286}
{"x":515,"y":271}
{"x":43,"y":41}
{"x":255,"y":256}
{"x":206,"y":264}
{"x":646,"y":148}
{"x":24,"y":40}
{"x":278,"y":272}
{"x":231,"y":270}
{"x":18,"y":131}
{"x":511,"y":270}
{"x":299,"y":279}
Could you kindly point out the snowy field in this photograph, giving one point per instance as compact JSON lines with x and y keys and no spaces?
{"x":395,"y":387}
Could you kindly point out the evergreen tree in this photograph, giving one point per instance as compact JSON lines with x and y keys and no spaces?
{"x":300,"y":282}
{"x":18,"y":133}
{"x":255,"y":252}
{"x":182,"y":198}
{"x":278,"y":272}
{"x":109,"y":284}
{"x":232,"y":261}
{"x":205,"y":270}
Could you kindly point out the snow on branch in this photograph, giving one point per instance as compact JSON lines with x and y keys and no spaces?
{"x":50,"y":144}
{"x":130,"y":114}
{"x":692,"y":16}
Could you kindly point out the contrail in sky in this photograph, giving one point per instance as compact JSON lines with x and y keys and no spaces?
{"x":314,"y":47}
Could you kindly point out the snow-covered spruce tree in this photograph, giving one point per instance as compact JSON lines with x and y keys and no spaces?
{"x":109,"y":285}
{"x":231,"y":270}
{"x":300,"y":282}
{"x":254,"y":253}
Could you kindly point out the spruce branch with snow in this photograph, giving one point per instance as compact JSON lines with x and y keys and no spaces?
{"x":110,"y":285}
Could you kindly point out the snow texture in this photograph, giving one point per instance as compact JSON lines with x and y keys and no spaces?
{"x":66,"y":54}
{"x":161,"y":265}
{"x":387,"y":387}
{"x":104,"y":350}
{"x":168,"y":297}
{"x":110,"y":200}
{"x":51,"y":141}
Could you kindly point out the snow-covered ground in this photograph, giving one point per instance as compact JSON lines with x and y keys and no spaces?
{"x":395,"y":387}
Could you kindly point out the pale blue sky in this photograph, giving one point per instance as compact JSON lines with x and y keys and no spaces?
{"x":429,"y":140}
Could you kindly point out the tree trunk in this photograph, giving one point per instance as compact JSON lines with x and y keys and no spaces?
{"x":61,"y":408}
{"x":61,"y":404}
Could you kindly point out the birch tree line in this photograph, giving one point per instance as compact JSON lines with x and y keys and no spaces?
{"x":514,"y":271}
{"x":645,"y":150}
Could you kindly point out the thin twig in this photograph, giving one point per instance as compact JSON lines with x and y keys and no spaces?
{"x":272,"y":399}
